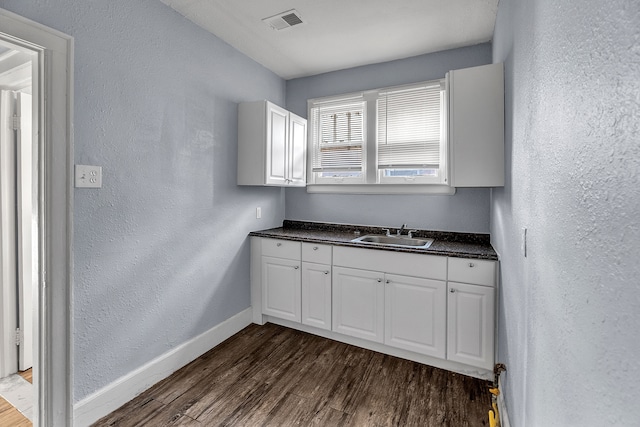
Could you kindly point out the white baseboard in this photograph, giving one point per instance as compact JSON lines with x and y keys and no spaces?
{"x":502,"y":407}
{"x":119,"y":392}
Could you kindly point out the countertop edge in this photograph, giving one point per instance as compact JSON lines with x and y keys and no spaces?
{"x":482,"y":251}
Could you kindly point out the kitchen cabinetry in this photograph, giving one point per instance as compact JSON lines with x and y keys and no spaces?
{"x":406,"y":310}
{"x":272,"y":144}
{"x":476,"y":126}
{"x":316,"y":285}
{"x":296,"y":282}
{"x":415,"y":314}
{"x":358,"y":303}
{"x":471,"y":312}
{"x":434,"y":309}
{"x":281,"y":279}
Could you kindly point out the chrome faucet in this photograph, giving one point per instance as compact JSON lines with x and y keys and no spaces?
{"x":401,"y":230}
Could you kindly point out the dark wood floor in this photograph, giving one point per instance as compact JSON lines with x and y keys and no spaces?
{"x":274,"y":376}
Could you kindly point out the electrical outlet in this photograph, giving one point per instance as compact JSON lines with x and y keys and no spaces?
{"x":258,"y":213}
{"x":88,"y":176}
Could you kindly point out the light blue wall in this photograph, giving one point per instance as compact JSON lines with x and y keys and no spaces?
{"x":160,"y":251}
{"x":467,"y":210}
{"x":570,"y":311}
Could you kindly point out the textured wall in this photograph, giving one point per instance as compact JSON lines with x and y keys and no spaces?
{"x":160,"y":252}
{"x":570,"y":310}
{"x":467,"y":210}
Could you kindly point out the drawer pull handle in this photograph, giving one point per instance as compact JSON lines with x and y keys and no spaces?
{"x":379,"y":280}
{"x":452,"y":290}
{"x":388,"y":281}
{"x":315,"y":248}
{"x":471,"y":265}
{"x":278,"y":244}
{"x":296,"y":267}
{"x":326,"y":272}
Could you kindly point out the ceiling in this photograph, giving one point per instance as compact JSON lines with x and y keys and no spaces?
{"x":339,"y":34}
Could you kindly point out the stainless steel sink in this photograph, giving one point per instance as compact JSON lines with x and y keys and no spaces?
{"x":404,"y":241}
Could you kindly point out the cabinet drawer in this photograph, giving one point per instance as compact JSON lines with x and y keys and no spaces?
{"x":478,"y":272}
{"x":281,"y":248}
{"x":407,"y":264}
{"x":314,"y":252}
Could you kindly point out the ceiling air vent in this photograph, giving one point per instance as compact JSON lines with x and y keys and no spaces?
{"x":284,"y":20}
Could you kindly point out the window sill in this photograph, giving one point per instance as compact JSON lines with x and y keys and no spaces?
{"x":382,"y":189}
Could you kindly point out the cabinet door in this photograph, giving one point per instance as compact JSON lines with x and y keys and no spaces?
{"x":415,"y":314}
{"x":297,"y":151}
{"x":316,"y":295}
{"x":277,"y":134}
{"x":476,"y":126}
{"x":471,"y":324}
{"x":281,"y":288}
{"x":358,"y":303}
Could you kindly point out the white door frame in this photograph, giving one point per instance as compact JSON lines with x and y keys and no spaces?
{"x":52,"y":330}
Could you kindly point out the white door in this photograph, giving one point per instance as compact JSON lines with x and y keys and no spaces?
{"x":277,"y":134}
{"x":470,"y":324}
{"x":415,"y":314}
{"x":8,"y":236}
{"x":27,"y":230}
{"x":358,"y":303}
{"x":297,"y":150}
{"x":18,"y":231}
{"x":281,"y":288}
{"x":316,"y":295}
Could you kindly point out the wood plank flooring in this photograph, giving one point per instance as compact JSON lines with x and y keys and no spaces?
{"x":9,"y":415}
{"x":274,"y":376}
{"x":27,"y":375}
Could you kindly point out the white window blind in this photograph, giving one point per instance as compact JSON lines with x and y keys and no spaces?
{"x":409,"y":128}
{"x":338,"y":136}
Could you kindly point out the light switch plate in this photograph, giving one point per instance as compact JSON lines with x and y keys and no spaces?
{"x":88,"y":176}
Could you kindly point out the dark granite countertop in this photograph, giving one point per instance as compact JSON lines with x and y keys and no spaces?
{"x":462,"y":245}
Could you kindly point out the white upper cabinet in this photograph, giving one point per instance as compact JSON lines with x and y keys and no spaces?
{"x":272,"y":145}
{"x":476,"y":126}
{"x":297,"y":164}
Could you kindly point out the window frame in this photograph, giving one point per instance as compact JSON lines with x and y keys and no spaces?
{"x":372,"y":180}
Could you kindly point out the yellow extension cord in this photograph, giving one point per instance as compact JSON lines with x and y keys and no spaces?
{"x":494,"y":419}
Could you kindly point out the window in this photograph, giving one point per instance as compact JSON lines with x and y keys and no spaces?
{"x":338,"y":140}
{"x":383,"y":137}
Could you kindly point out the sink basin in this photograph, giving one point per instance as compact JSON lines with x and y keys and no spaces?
{"x":404,"y":241}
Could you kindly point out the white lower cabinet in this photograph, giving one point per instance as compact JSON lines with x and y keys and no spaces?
{"x":316,"y":295}
{"x":415,"y":314}
{"x":281,"y":287}
{"x":470,"y":322}
{"x":441,"y":307}
{"x":358,"y":303}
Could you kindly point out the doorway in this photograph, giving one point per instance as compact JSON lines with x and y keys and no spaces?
{"x":35,"y":188}
{"x":18,"y":224}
